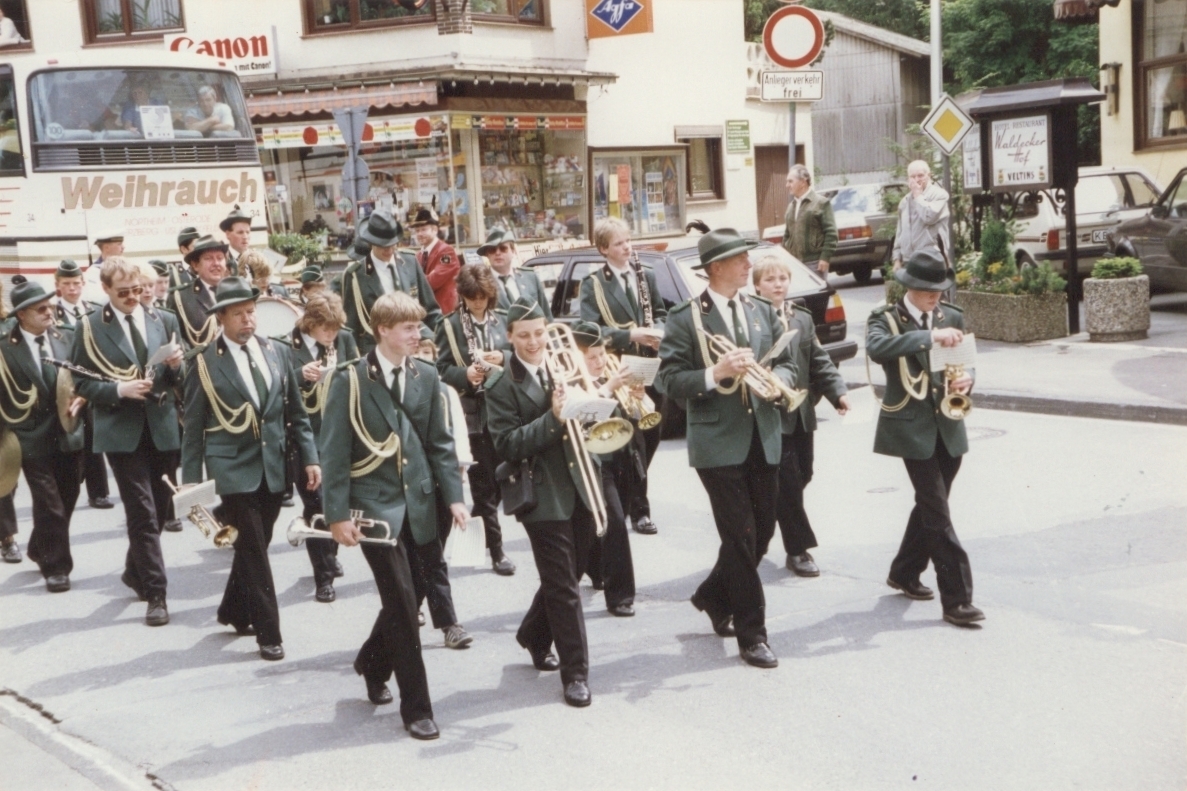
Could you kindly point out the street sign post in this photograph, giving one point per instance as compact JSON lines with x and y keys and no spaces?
{"x":792,"y":37}
{"x":947,"y":125}
{"x":356,"y":176}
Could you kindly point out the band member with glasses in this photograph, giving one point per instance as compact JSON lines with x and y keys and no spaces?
{"x":514,"y":283}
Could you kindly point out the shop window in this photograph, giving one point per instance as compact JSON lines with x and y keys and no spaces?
{"x":337,"y":15}
{"x":645,"y":187}
{"x":533,"y":182}
{"x":112,"y":20}
{"x":705,"y":177}
{"x":14,"y":26}
{"x":526,"y":11}
{"x":1161,"y":73}
{"x":11,"y":161}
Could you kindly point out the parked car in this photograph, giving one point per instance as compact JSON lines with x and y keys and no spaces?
{"x":1159,"y":238}
{"x":865,"y":227}
{"x":1105,"y":197}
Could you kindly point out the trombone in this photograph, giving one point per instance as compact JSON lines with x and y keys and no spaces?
{"x":639,"y":409}
{"x":201,"y":517}
{"x":954,"y":406}
{"x":762,"y":381}
{"x":375,"y":531}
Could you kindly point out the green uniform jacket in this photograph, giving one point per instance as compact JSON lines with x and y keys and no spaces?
{"x":910,"y":432}
{"x":190,"y":311}
{"x":68,"y":320}
{"x":720,"y":426}
{"x":426,"y":449}
{"x":619,"y":307}
{"x":453,"y":358}
{"x":360,"y":278}
{"x":522,"y":426}
{"x":120,"y":421}
{"x":528,"y":283}
{"x":814,"y":369}
{"x":41,"y":433}
{"x":812,"y":236}
{"x":299,"y":355}
{"x":240,"y":462}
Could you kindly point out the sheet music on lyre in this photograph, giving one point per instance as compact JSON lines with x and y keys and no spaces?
{"x":964,"y":354}
{"x":584,"y":408}
{"x":468,"y":547}
{"x":641,"y":369}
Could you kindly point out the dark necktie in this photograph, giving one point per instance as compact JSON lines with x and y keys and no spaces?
{"x":397,"y":394}
{"x":630,"y":294}
{"x":322,"y":353}
{"x":508,"y":285}
{"x":137,"y":341}
{"x":395,"y":277}
{"x":49,"y":374}
{"x":257,"y":377}
{"x":739,"y":331}
{"x":204,"y":295}
{"x":543,"y":377}
{"x":923,"y":321}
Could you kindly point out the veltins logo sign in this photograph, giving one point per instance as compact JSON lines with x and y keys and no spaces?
{"x":618,"y":17}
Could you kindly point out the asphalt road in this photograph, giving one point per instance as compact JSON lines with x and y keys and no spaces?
{"x":1075,"y":532}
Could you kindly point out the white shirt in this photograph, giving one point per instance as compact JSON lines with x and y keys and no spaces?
{"x":311,"y":345}
{"x":207,"y":289}
{"x":916,"y":313}
{"x":72,"y":310}
{"x":35,"y":352}
{"x":626,"y":279}
{"x":257,"y":354}
{"x":721,"y":302}
{"x":137,"y":315}
{"x":390,"y":372}
{"x":533,"y":369}
{"x":384,"y":270}
{"x":428,"y":247}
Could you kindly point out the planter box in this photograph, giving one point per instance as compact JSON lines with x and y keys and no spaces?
{"x":1014,"y":318}
{"x":1117,"y":309}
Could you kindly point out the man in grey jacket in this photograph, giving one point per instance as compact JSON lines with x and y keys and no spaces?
{"x":922,"y":217}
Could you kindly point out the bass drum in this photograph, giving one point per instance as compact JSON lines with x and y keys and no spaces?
{"x":276,"y":316}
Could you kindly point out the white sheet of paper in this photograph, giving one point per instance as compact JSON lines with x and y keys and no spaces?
{"x":862,"y":407}
{"x":586,"y":408}
{"x":965,"y":354}
{"x":642,"y":369}
{"x":468,"y":547}
{"x":156,"y":121}
{"x":162,"y":354}
{"x":187,"y":498}
{"x":784,"y":340}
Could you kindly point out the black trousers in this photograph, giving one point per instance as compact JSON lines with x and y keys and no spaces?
{"x":94,"y":468}
{"x":250,"y":595}
{"x":7,"y":516}
{"x":430,"y":577}
{"x":610,"y":560}
{"x":733,"y":586}
{"x":797,"y":533}
{"x":485,"y":491}
{"x":54,"y":483}
{"x":561,"y":551}
{"x":394,"y":644}
{"x":930,"y":535}
{"x":640,"y":506}
{"x":145,"y":497}
{"x":321,"y":552}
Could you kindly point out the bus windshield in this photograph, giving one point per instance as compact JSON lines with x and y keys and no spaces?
{"x":72,"y":106}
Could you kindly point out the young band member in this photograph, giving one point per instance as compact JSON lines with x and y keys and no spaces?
{"x":622,"y":297}
{"x":523,"y":406}
{"x":610,"y":565}
{"x":192,"y":302}
{"x":514,"y":283}
{"x":733,"y":435}
{"x":239,"y":398}
{"x":313,"y":282}
{"x":386,"y":450}
{"x":317,"y":342}
{"x":439,"y":261}
{"x":160,"y":297}
{"x":236,"y":226}
{"x":135,"y":418}
{"x":51,"y":459}
{"x":814,"y":372}
{"x":911,"y":426}
{"x":477,"y":331}
{"x":256,"y":268}
{"x":382,"y":271}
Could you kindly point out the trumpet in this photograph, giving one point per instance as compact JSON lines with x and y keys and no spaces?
{"x":954,"y":406}
{"x":638,"y":409}
{"x":761,"y":381}
{"x":375,"y":531}
{"x":201,"y":517}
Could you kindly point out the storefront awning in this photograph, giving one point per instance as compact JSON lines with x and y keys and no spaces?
{"x":1080,"y":10}
{"x":303,"y":102}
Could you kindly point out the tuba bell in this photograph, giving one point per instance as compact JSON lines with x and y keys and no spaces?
{"x":954,"y":406}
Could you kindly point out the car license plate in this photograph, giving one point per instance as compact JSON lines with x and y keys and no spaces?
{"x":1100,"y":236}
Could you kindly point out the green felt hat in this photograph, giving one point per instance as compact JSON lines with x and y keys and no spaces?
{"x":187,"y":235}
{"x":28,"y":294}
{"x":926,"y":271}
{"x":721,"y":244}
{"x":495,"y":238}
{"x":236,"y":215}
{"x":204,"y":244}
{"x":232,"y":291}
{"x":588,"y":334}
{"x":381,"y":230}
{"x":523,"y":309}
{"x":312,"y":274}
{"x":68,"y":268}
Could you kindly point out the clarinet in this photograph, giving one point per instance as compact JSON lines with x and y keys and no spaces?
{"x":87,"y":373}
{"x":643,"y":288}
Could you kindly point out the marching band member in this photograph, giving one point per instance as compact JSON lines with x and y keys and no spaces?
{"x":192,"y":301}
{"x":514,"y":283}
{"x":160,"y":297}
{"x":439,"y":261}
{"x":51,"y":459}
{"x":733,"y":436}
{"x":523,"y":414}
{"x":239,"y":398}
{"x":392,"y":396}
{"x":815,"y":372}
{"x":236,"y":227}
{"x":317,"y":339}
{"x":135,"y":418}
{"x":911,"y":426}
{"x":313,"y":282}
{"x":623,"y":297}
{"x":476,"y":330}
{"x":256,"y":268}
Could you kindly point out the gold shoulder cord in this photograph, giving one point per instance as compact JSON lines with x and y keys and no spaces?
{"x":695,"y":307}
{"x":453,"y":347}
{"x":916,"y":386}
{"x":232,"y":421}
{"x":377,"y":452}
{"x":104,"y":365}
{"x":315,"y":401}
{"x":197,"y":337}
{"x":604,"y":307}
{"x":22,"y":401}
{"x":360,"y":308}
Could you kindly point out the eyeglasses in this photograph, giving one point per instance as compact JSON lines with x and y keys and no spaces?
{"x":124,"y":293}
{"x":504,"y":248}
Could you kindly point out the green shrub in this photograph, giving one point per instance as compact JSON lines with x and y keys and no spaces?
{"x":295,"y":247}
{"x":995,"y":247}
{"x":1041,"y":279}
{"x":1115,"y":268}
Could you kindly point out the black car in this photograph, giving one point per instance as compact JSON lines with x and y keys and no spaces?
{"x":1159,"y":238}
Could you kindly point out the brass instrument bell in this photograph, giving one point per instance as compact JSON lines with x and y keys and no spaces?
{"x":954,"y":406}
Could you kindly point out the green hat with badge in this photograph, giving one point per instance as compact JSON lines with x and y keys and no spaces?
{"x":588,"y":334}
{"x":204,"y":244}
{"x":312,"y":274}
{"x":523,"y":309}
{"x":28,"y":294}
{"x":381,"y":230}
{"x":926,"y":270}
{"x":495,"y":238}
{"x":187,"y":235}
{"x":237,"y":215}
{"x":159,"y":266}
{"x":232,"y":291}
{"x":721,"y":244}
{"x":68,"y":268}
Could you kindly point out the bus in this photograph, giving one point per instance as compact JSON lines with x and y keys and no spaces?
{"x":100,"y":142}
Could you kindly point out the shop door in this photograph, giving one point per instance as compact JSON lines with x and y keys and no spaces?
{"x":770,"y":180}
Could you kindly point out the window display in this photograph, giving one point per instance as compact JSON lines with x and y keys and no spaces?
{"x":644,"y":188}
{"x":533,"y":182}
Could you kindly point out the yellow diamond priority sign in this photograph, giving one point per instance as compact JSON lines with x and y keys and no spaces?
{"x":947,"y":124}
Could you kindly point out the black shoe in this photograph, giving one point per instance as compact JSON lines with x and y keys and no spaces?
{"x":912,"y":590}
{"x":336,"y":568}
{"x":241,"y":630}
{"x":759,"y":655}
{"x":545,"y":660}
{"x":377,"y":692}
{"x":722,"y":624}
{"x":802,"y":565}
{"x":172,"y":526}
{"x":502,"y":566}
{"x":598,"y":583}
{"x":158,"y":614}
{"x":963,"y":615}
{"x":127,"y":579}
{"x":11,"y":552}
{"x":101,"y":503}
{"x":457,"y":637}
{"x":577,"y":694}
{"x":287,"y":502}
{"x":57,"y":583}
{"x":325,"y":593}
{"x":621,"y":610}
{"x":425,"y":730}
{"x":272,"y":653}
{"x":644,"y":526}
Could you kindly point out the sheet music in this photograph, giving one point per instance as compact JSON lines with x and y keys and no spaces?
{"x":585,"y":408}
{"x":468,"y":547}
{"x":784,"y":340}
{"x":162,"y":354}
{"x":189,"y":496}
{"x":642,"y":369}
{"x":965,"y":354}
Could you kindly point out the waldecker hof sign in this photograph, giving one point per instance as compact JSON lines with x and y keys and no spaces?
{"x":1020,"y":153}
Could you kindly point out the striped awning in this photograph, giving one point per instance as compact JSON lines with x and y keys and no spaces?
{"x":1080,"y":9}
{"x":304,"y":102}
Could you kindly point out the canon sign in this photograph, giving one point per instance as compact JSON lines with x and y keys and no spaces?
{"x":249,"y":54}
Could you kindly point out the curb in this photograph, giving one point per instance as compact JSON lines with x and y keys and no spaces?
{"x":1140,"y":413}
